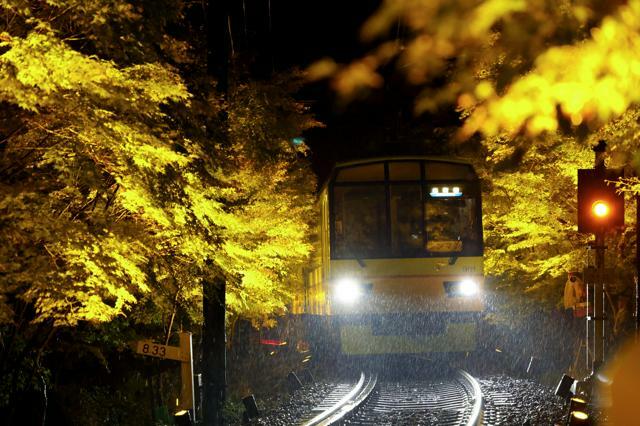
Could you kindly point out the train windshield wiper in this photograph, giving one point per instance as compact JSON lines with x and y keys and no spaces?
{"x":356,"y":257}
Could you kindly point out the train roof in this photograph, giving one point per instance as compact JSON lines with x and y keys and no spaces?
{"x":443,"y":159}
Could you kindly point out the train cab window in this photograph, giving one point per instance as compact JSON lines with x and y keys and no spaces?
{"x":405,"y":208}
{"x":451,"y":220}
{"x":445,"y":171}
{"x":406,"y":220}
{"x":360,"y":221}
{"x":366,"y":173}
{"x":404,"y":170}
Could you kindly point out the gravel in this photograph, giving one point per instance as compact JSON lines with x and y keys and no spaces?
{"x":286,"y":410}
{"x":508,"y":401}
{"x":516,"y":401}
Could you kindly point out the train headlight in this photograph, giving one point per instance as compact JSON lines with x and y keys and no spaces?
{"x":347,"y":290}
{"x":466,"y":287}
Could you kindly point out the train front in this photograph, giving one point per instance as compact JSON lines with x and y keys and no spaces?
{"x":405,"y":268}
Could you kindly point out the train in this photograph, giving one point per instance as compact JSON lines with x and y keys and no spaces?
{"x":398,"y":265}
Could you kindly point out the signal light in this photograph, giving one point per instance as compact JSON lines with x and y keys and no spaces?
{"x":578,"y":418}
{"x":600,"y":208}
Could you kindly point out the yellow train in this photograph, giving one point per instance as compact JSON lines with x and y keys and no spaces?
{"x":398,"y":266}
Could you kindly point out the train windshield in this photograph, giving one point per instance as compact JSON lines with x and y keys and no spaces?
{"x":360,"y":221}
{"x":451,"y":221}
{"x":394,"y":212}
{"x":406,"y":225}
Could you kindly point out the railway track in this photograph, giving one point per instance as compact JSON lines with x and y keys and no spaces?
{"x":452,"y":401}
{"x":343,"y":402}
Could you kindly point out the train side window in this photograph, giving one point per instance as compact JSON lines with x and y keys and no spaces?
{"x":404,"y":170}
{"x":406,"y":220}
{"x":360,"y":221}
{"x":365,"y":173}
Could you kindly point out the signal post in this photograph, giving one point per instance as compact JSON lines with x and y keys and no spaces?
{"x":598,"y":317}
{"x":600,"y":209}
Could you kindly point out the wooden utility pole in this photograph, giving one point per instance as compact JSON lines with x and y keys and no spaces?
{"x":214,"y":289}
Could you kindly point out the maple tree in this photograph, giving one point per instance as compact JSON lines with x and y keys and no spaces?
{"x":117,"y":197}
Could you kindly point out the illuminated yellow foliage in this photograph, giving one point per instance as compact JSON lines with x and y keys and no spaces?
{"x":513,"y":66}
{"x":38,"y":70}
{"x":464,"y":40}
{"x":113,"y":202}
{"x":529,"y":215}
{"x":530,"y":210}
{"x":591,"y":82}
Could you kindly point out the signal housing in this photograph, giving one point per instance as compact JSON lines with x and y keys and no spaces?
{"x":593,"y":188}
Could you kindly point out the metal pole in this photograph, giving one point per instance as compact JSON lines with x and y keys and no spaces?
{"x":587,"y":343}
{"x":637,"y":267}
{"x":598,"y":286}
{"x":598,"y":304}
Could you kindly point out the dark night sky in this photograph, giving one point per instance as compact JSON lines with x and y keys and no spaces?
{"x":301,"y":32}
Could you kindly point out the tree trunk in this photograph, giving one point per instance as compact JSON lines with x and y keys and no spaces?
{"x":214,"y":351}
{"x":214,"y":289}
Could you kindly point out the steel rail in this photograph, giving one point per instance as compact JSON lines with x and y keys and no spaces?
{"x":347,"y":404}
{"x":475,"y":418}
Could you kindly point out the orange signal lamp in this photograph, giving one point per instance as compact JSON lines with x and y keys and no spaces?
{"x":600,"y":209}
{"x":578,"y":418}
